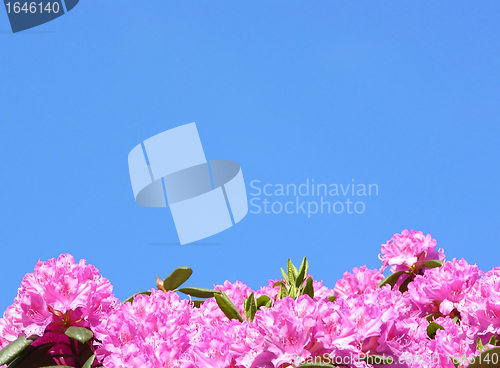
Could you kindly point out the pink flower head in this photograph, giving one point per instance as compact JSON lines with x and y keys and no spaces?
{"x":406,"y":336}
{"x":287,"y":329}
{"x":408,"y":250}
{"x":150,"y":332}
{"x":357,"y":282}
{"x":59,"y":293}
{"x":452,"y":342}
{"x":443,"y":289}
{"x":483,"y":305}
{"x":162,"y":331}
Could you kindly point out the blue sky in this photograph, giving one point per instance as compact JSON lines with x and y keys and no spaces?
{"x":404,"y":95}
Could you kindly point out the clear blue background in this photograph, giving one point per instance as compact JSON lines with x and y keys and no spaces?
{"x":404,"y":94}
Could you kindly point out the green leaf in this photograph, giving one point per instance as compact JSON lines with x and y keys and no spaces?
{"x":492,"y":341}
{"x":80,"y":334}
{"x":391,"y":279}
{"x":433,"y":263}
{"x":34,"y":356}
{"x":283,"y":292}
{"x":197,"y":303}
{"x":293,"y":291}
{"x":264,"y":301}
{"x":278,"y":283}
{"x":198,"y":292}
{"x":432,"y":316}
{"x":332,"y":298}
{"x":432,"y":328}
{"x":14,"y":349}
{"x":89,"y":362}
{"x":177,"y":278}
{"x":309,"y":289}
{"x":227,"y":306}
{"x":131,"y":299}
{"x":292,"y":272}
{"x":456,"y":362}
{"x":379,"y":359}
{"x":285,"y":277}
{"x":479,"y":344}
{"x":302,"y":273}
{"x":487,"y":359}
{"x":300,"y":290}
{"x":250,"y":307}
{"x":455,"y":319}
{"x":404,"y":285}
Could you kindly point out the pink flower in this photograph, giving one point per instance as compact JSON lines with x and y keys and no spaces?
{"x":58,"y":293}
{"x":150,"y":332}
{"x":452,"y":342}
{"x":443,"y":289}
{"x":482,"y":305}
{"x":408,"y":251}
{"x":163,"y":331}
{"x":406,"y":336}
{"x":287,"y":329}
{"x":357,"y":282}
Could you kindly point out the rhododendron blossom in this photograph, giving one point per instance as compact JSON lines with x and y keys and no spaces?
{"x":444,"y":289}
{"x":410,"y":249}
{"x":358,"y":281}
{"x":58,"y":294}
{"x":447,"y":314}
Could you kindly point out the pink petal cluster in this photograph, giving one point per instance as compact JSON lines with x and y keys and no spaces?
{"x":59,"y":293}
{"x":483,"y":304}
{"x":454,"y":341}
{"x":442,"y":315}
{"x":444,"y":289}
{"x":151,"y":332}
{"x":357,"y":282}
{"x":409,"y":249}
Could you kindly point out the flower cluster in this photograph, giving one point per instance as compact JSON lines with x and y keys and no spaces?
{"x":58,"y":294}
{"x":447,"y":314}
{"x":409,"y":251}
